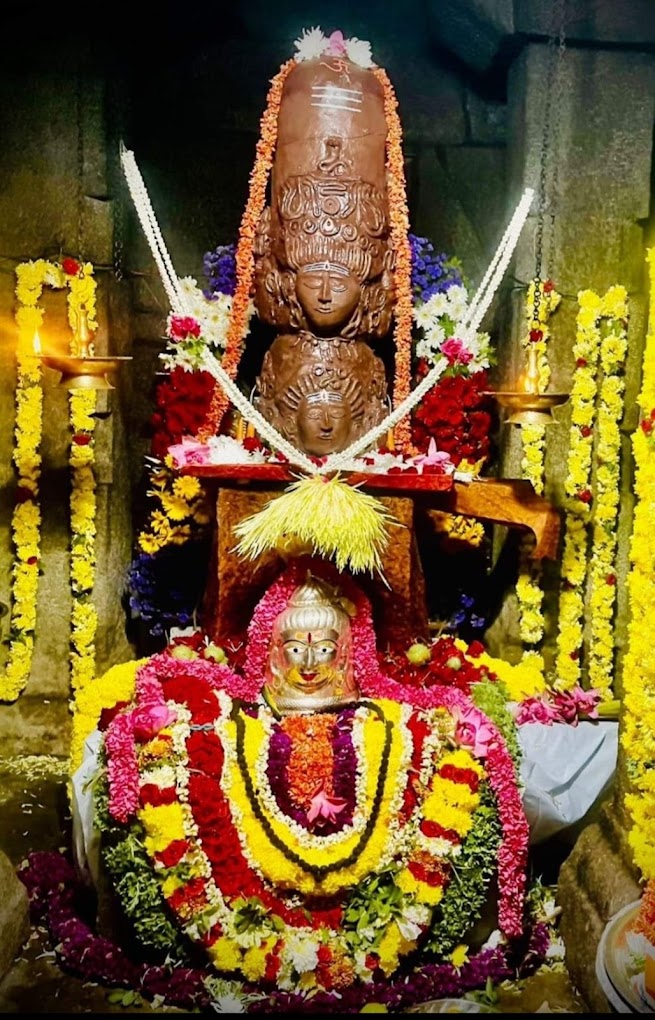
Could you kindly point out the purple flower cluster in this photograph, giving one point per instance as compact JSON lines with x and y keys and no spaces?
{"x":219,"y":267}
{"x":432,"y":272}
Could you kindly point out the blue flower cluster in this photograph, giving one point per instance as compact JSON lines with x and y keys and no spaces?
{"x":432,"y":272}
{"x":219,"y":267}
{"x":163,"y":589}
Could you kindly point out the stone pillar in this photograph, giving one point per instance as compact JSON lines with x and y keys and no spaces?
{"x":48,"y":177}
{"x":604,"y":154}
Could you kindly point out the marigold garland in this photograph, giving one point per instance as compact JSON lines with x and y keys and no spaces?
{"x":541,"y":301}
{"x":399,"y":237}
{"x":601,"y":344}
{"x":32,"y":276}
{"x":245,"y":263}
{"x":638,"y":736}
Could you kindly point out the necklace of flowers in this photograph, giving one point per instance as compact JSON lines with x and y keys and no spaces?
{"x":541,"y":301}
{"x":32,"y":276}
{"x":601,"y":344}
{"x":638,"y":664}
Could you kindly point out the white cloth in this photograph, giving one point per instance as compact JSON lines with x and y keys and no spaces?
{"x":567,"y":772}
{"x":86,"y":838}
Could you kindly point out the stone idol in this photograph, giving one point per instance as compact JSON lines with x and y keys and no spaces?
{"x":323,"y":262}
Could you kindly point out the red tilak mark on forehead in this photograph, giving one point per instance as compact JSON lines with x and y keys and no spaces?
{"x":309,"y":638}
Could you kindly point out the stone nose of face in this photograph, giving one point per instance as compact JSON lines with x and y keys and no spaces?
{"x":325,"y":289}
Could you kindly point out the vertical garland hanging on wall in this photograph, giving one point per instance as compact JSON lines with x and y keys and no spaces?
{"x":592,"y":492}
{"x":542,"y":300}
{"x":31,"y":277}
{"x":638,"y":738}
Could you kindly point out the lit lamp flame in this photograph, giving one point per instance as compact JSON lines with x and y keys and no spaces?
{"x":36,"y":343}
{"x":527,"y":404}
{"x":81,"y":369}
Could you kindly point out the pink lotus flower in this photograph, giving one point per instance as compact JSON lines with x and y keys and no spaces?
{"x":336,"y":45}
{"x":189,"y":451}
{"x":182,"y":326}
{"x":456,"y":351}
{"x":148,"y":720}
{"x":324,"y":806}
{"x":473,"y":730}
{"x":433,"y":458}
{"x":536,"y":710}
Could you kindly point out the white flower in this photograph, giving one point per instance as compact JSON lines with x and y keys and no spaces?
{"x":359,"y":52}
{"x":227,"y":450}
{"x":556,"y":950}
{"x":310,"y":45}
{"x":495,"y":939}
{"x":228,"y":1004}
{"x":457,"y":302}
{"x":438,"y":304}
{"x":302,"y":952}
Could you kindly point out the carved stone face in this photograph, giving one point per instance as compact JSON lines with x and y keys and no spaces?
{"x":309,"y":667}
{"x":328,"y":294}
{"x":324,"y":423}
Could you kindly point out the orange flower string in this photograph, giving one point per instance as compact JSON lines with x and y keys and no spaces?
{"x":399,"y":218}
{"x":245,"y":261}
{"x":312,"y":757}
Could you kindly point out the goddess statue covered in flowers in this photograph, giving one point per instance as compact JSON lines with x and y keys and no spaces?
{"x":303,"y":814}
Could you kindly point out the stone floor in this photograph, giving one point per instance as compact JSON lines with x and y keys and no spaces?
{"x":34,"y":814}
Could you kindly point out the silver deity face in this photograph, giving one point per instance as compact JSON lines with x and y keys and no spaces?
{"x":310,"y":662}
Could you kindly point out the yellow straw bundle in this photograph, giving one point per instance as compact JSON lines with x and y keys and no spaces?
{"x":333,"y":518}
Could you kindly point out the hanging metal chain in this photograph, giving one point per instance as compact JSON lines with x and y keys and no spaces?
{"x":549,"y":166}
{"x":80,"y":171}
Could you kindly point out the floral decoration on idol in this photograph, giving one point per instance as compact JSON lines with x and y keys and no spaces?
{"x":542,"y":300}
{"x":592,"y":488}
{"x":638,"y":665}
{"x":55,"y":891}
{"x":191,"y":750}
{"x":80,"y":286}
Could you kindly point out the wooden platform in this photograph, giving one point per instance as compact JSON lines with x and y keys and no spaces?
{"x":511,"y":502}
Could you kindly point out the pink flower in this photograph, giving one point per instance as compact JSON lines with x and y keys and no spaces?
{"x":536,"y":710}
{"x":473,"y":730}
{"x":189,"y":451}
{"x":182,"y":326}
{"x":433,"y":459}
{"x":324,"y":806}
{"x":336,"y":45}
{"x":456,"y":351}
{"x":148,"y":720}
{"x":586,"y":701}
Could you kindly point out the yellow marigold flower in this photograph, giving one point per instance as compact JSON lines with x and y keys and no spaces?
{"x":163,"y":823}
{"x":459,"y":956}
{"x":225,"y":954}
{"x":187,"y":487}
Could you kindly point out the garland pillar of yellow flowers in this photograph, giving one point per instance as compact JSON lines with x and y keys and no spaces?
{"x":592,"y":493}
{"x":31,"y":278}
{"x":541,"y":301}
{"x":638,"y":735}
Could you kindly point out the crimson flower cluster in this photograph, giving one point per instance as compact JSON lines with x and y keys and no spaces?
{"x":447,"y":666}
{"x":182,"y":403}
{"x":457,"y":415}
